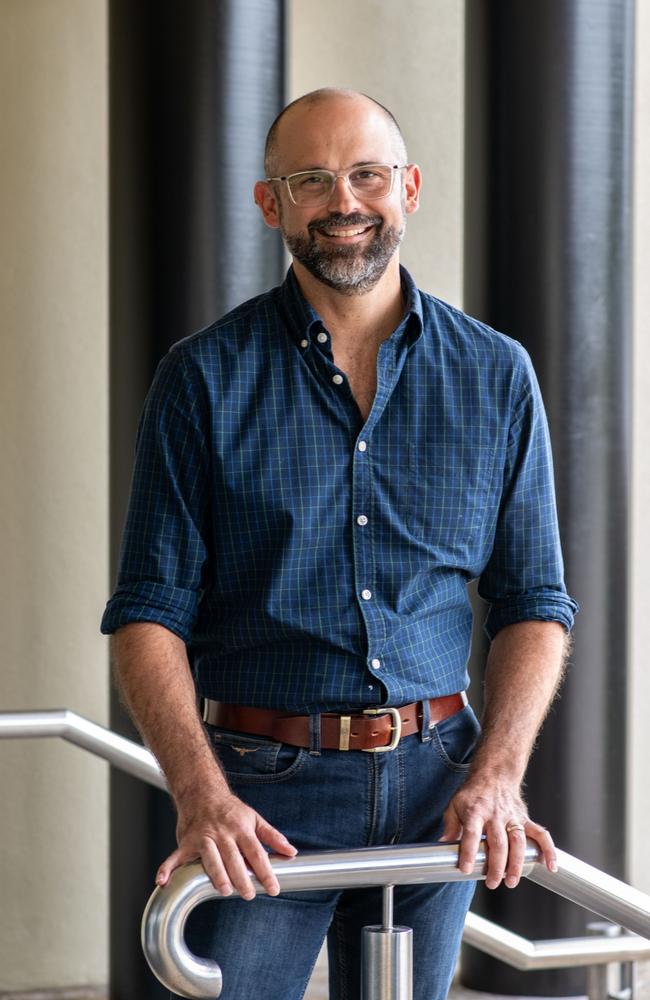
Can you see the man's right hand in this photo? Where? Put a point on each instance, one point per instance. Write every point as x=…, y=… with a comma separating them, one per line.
x=226, y=836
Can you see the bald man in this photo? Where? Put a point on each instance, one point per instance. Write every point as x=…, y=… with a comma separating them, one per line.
x=319, y=475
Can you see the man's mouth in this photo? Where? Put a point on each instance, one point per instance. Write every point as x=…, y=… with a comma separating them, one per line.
x=340, y=229
x=345, y=232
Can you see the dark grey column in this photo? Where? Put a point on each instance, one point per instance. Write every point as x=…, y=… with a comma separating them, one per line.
x=549, y=103
x=194, y=87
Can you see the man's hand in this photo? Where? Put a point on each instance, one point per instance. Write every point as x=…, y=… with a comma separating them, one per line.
x=225, y=837
x=496, y=810
x=214, y=826
x=524, y=668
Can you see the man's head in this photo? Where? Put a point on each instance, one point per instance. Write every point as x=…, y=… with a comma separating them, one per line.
x=346, y=235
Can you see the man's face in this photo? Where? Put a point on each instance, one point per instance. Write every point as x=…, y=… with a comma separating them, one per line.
x=349, y=242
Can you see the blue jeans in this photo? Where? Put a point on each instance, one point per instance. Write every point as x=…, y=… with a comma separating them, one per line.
x=267, y=947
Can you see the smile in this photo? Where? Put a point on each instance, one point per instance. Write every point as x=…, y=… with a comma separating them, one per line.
x=341, y=233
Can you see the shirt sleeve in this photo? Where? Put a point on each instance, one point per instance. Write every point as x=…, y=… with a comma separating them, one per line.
x=163, y=554
x=524, y=578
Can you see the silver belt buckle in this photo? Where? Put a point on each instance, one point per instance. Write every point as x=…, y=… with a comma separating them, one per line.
x=396, y=728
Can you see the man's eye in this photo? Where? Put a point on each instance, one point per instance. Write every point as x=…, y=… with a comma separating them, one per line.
x=312, y=180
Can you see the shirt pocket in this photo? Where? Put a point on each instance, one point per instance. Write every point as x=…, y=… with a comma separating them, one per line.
x=248, y=759
x=448, y=505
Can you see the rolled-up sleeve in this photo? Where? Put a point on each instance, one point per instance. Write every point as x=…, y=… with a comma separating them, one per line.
x=163, y=552
x=524, y=578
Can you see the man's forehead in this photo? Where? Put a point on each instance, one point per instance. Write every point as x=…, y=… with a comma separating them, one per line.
x=354, y=128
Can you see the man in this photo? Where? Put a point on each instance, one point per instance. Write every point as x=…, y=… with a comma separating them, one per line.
x=318, y=477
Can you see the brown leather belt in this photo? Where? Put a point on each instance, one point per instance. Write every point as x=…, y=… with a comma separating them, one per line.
x=374, y=729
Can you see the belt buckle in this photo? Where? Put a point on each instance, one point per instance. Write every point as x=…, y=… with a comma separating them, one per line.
x=396, y=729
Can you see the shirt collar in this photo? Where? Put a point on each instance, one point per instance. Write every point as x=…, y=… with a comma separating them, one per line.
x=304, y=323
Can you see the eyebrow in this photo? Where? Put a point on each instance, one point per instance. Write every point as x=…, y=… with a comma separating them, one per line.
x=359, y=163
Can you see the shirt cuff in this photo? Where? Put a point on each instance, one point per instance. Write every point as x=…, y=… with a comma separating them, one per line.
x=146, y=601
x=543, y=605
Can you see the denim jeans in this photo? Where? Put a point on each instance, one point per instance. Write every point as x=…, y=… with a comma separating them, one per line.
x=267, y=947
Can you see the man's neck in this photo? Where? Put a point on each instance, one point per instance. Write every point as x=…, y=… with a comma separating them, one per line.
x=355, y=321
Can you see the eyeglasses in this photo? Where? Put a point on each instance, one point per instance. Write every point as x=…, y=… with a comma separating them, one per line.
x=315, y=187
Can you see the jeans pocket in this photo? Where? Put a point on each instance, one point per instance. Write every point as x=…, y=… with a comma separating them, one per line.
x=249, y=759
x=454, y=740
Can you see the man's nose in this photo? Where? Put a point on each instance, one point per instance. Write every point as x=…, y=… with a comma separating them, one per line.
x=343, y=198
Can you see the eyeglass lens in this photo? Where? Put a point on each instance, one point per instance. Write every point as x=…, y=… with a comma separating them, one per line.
x=315, y=187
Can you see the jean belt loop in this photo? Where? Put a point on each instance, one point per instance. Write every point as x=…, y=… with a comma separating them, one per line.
x=314, y=734
x=425, y=731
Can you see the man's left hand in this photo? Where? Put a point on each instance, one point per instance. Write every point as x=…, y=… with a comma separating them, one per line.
x=495, y=809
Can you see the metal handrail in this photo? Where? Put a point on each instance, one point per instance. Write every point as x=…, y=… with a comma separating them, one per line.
x=184, y=973
x=170, y=906
x=559, y=953
x=117, y=750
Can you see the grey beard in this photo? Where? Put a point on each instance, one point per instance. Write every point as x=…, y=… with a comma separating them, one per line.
x=350, y=270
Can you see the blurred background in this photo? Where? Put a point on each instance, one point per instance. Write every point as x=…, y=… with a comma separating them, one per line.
x=130, y=137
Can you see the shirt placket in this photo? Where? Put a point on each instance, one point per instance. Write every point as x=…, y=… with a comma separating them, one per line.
x=367, y=449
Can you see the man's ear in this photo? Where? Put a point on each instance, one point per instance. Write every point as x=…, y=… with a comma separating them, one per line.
x=267, y=202
x=412, y=187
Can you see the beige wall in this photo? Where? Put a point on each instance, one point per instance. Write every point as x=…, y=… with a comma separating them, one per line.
x=639, y=784
x=410, y=58
x=53, y=490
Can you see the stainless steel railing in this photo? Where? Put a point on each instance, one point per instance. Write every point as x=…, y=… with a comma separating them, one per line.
x=116, y=749
x=169, y=907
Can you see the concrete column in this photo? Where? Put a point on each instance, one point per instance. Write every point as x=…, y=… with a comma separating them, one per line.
x=551, y=88
x=639, y=680
x=54, y=484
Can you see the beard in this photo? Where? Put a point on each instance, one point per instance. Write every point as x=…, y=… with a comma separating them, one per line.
x=351, y=270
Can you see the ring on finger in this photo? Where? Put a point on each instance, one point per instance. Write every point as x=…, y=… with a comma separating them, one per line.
x=511, y=827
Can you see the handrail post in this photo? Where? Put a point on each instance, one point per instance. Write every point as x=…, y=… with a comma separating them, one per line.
x=387, y=957
x=613, y=981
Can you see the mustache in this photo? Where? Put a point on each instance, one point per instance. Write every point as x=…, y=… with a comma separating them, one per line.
x=335, y=219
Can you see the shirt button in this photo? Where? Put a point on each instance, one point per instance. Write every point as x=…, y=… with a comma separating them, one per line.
x=375, y=664
x=304, y=343
x=322, y=338
x=362, y=446
x=362, y=520
x=366, y=594
x=337, y=379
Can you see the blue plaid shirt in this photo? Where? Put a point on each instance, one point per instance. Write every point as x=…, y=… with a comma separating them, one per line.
x=312, y=561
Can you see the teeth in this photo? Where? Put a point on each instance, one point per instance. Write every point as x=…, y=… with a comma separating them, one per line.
x=344, y=232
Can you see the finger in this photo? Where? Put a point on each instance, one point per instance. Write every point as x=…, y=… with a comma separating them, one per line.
x=215, y=868
x=452, y=828
x=175, y=860
x=469, y=844
x=274, y=839
x=258, y=861
x=544, y=840
x=236, y=868
x=516, y=853
x=497, y=845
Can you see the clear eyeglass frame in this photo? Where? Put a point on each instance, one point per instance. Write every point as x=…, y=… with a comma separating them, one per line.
x=333, y=176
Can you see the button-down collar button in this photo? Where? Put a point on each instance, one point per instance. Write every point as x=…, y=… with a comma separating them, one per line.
x=337, y=379
x=375, y=664
x=304, y=343
x=366, y=594
x=362, y=446
x=322, y=337
x=362, y=520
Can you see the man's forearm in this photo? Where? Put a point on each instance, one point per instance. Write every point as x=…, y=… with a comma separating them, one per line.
x=525, y=667
x=524, y=670
x=154, y=676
